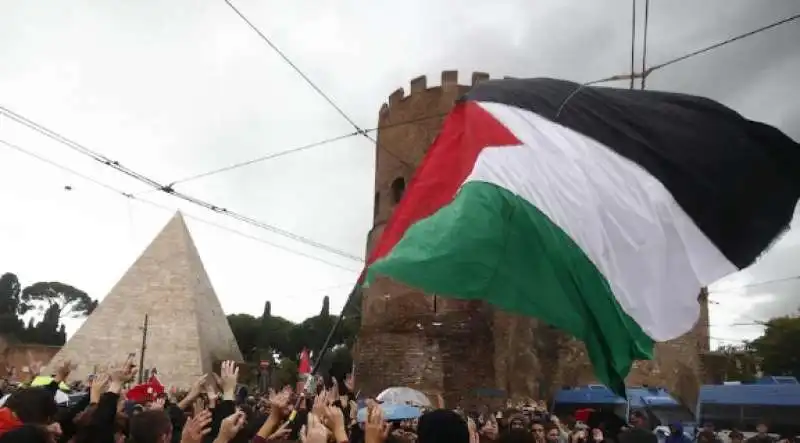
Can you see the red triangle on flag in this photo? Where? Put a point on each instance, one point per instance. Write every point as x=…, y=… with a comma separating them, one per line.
x=304, y=367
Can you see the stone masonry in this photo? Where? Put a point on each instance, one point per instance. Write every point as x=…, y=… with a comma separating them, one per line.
x=452, y=347
x=187, y=329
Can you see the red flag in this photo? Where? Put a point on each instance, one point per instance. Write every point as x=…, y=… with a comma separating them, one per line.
x=145, y=392
x=305, y=366
x=154, y=381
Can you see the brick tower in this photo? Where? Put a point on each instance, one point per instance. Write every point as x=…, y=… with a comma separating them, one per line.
x=452, y=347
x=438, y=345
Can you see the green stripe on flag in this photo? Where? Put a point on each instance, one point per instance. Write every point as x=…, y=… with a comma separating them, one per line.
x=489, y=244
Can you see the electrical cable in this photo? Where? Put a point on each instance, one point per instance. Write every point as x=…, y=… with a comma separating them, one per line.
x=297, y=149
x=731, y=325
x=167, y=189
x=65, y=169
x=308, y=80
x=295, y=67
x=718, y=45
x=761, y=283
x=263, y=158
x=130, y=196
x=632, y=76
x=643, y=75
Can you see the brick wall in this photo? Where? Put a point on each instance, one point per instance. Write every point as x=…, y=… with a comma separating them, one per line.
x=16, y=356
x=451, y=347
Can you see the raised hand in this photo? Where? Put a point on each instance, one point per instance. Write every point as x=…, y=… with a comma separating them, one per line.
x=350, y=382
x=230, y=426
x=333, y=392
x=314, y=431
x=334, y=418
x=229, y=376
x=279, y=402
x=158, y=404
x=198, y=406
x=63, y=370
x=320, y=402
x=99, y=385
x=121, y=374
x=281, y=433
x=196, y=428
x=376, y=429
x=35, y=368
x=197, y=386
x=473, y=431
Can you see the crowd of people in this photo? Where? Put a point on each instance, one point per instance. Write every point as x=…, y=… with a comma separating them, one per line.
x=214, y=410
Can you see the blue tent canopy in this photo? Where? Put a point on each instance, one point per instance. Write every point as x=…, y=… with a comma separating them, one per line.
x=755, y=394
x=588, y=395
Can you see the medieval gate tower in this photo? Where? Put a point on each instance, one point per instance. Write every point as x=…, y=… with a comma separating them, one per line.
x=459, y=348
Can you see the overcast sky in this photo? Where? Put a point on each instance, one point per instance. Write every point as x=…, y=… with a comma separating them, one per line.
x=180, y=87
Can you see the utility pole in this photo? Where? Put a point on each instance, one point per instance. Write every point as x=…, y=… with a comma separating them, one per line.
x=141, y=352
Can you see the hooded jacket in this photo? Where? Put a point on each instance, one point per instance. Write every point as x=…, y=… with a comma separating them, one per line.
x=676, y=434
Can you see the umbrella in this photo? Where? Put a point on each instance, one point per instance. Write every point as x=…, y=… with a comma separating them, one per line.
x=404, y=396
x=392, y=412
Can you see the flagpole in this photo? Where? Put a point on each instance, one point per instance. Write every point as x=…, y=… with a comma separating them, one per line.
x=326, y=344
x=144, y=347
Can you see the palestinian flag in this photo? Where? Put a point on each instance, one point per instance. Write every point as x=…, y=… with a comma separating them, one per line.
x=600, y=211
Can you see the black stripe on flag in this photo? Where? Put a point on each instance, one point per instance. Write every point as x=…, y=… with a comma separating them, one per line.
x=738, y=180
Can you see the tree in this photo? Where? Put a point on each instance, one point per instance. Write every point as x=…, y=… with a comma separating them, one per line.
x=246, y=331
x=326, y=307
x=11, y=306
x=269, y=336
x=734, y=363
x=275, y=335
x=47, y=330
x=338, y=362
x=285, y=373
x=267, y=310
x=65, y=301
x=777, y=347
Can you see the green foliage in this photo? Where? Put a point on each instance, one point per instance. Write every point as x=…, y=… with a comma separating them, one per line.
x=245, y=328
x=66, y=301
x=285, y=373
x=11, y=306
x=777, y=348
x=337, y=362
x=326, y=307
x=281, y=341
x=267, y=310
x=52, y=300
x=275, y=336
x=738, y=363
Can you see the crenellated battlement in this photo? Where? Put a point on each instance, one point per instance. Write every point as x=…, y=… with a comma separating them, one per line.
x=448, y=83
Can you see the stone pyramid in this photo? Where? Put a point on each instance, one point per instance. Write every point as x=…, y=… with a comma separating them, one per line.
x=187, y=330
